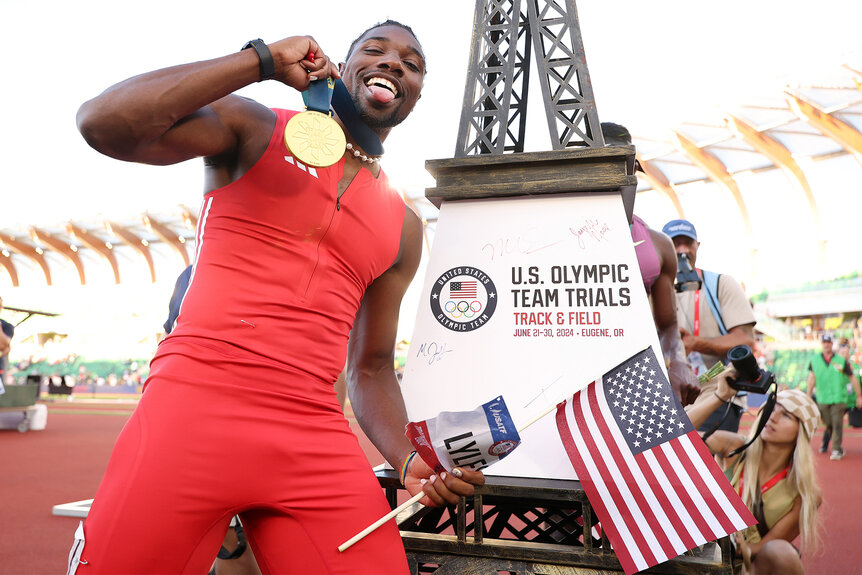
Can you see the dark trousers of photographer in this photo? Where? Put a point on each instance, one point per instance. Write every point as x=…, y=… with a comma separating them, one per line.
x=832, y=415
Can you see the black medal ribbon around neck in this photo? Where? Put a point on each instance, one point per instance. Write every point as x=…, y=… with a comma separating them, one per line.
x=364, y=136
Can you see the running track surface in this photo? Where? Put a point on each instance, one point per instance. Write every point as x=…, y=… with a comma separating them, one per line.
x=65, y=463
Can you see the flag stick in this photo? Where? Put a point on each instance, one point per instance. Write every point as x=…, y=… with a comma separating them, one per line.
x=359, y=536
x=537, y=418
x=381, y=521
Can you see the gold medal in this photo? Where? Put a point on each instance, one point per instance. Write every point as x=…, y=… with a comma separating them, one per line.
x=315, y=138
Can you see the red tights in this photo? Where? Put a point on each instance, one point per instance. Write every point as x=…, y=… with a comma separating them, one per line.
x=274, y=448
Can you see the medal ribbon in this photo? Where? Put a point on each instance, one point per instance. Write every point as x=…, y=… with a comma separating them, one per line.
x=364, y=136
x=318, y=96
x=697, y=307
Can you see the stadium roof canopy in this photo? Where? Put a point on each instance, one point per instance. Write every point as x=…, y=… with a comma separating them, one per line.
x=817, y=122
x=127, y=249
x=775, y=182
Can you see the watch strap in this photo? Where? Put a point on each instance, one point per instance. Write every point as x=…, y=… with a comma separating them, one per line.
x=267, y=64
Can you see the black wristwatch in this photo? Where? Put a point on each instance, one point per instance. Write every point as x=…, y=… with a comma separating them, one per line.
x=267, y=64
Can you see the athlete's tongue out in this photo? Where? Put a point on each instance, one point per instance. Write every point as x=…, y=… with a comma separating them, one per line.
x=381, y=94
x=381, y=89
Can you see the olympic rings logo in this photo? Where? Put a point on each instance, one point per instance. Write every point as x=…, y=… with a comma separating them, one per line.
x=463, y=299
x=462, y=308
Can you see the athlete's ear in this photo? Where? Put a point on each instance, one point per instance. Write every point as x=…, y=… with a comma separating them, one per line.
x=341, y=67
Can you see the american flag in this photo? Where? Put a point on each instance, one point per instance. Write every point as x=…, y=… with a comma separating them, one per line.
x=462, y=289
x=656, y=489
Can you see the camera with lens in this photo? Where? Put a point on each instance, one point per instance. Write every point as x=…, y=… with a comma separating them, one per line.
x=686, y=276
x=750, y=377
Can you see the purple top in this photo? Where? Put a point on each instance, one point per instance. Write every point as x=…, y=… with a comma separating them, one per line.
x=647, y=257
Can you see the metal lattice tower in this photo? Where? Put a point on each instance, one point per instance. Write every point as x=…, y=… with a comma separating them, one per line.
x=494, y=113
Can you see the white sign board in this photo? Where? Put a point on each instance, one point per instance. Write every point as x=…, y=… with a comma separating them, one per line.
x=528, y=298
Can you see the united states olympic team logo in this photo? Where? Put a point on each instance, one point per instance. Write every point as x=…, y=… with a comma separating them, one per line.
x=501, y=448
x=463, y=299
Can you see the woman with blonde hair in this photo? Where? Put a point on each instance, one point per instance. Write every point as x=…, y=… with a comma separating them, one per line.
x=774, y=476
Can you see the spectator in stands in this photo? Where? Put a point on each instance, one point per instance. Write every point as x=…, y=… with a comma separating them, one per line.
x=775, y=476
x=831, y=375
x=712, y=319
x=7, y=330
x=83, y=375
x=657, y=263
x=856, y=353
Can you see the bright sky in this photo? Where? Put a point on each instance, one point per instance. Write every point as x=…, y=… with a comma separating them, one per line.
x=652, y=64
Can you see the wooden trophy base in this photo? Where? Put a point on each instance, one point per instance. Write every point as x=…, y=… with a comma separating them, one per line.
x=524, y=526
x=574, y=170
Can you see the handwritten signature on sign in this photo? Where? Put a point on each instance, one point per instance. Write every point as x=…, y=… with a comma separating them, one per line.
x=433, y=351
x=534, y=240
x=591, y=229
x=527, y=242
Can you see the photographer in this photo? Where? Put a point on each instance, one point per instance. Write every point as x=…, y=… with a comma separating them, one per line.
x=774, y=476
x=713, y=315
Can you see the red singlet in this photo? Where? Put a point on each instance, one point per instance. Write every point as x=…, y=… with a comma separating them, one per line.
x=281, y=264
x=239, y=414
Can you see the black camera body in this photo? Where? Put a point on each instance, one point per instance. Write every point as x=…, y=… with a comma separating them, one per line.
x=686, y=276
x=749, y=375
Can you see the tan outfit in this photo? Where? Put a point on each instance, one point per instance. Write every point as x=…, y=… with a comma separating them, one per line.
x=777, y=499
